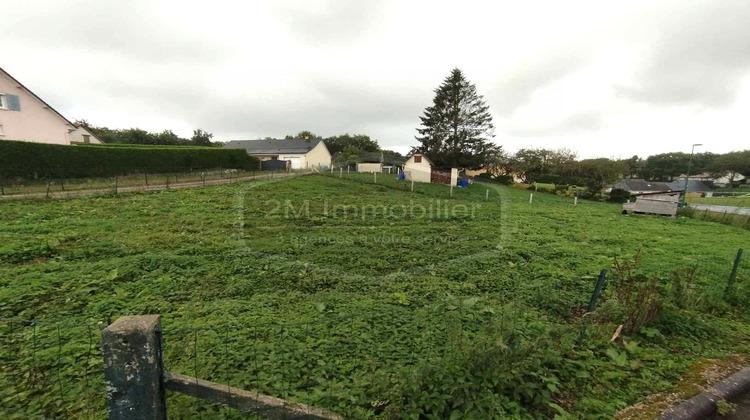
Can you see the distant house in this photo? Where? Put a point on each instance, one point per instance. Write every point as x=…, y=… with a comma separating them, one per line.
x=25, y=116
x=300, y=153
x=718, y=181
x=83, y=136
x=694, y=186
x=419, y=168
x=640, y=186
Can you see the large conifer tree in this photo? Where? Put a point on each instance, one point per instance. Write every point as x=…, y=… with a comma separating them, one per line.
x=457, y=129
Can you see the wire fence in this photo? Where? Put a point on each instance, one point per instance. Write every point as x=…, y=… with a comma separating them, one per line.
x=354, y=363
x=51, y=370
x=139, y=179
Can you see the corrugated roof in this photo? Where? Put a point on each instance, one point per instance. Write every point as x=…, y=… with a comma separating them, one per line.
x=274, y=146
x=641, y=185
x=694, y=185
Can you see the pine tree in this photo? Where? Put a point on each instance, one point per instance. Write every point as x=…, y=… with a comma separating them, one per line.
x=457, y=129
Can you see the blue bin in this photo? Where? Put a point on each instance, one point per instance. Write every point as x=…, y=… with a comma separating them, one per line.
x=463, y=183
x=401, y=176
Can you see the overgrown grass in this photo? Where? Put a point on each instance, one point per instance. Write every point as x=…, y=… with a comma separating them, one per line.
x=448, y=306
x=743, y=201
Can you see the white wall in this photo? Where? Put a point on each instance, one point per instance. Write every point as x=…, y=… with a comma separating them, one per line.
x=369, y=167
x=76, y=136
x=418, y=172
x=318, y=156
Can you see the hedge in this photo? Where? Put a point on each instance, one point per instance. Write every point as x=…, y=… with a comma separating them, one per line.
x=20, y=159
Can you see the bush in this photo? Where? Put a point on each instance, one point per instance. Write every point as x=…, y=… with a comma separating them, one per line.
x=618, y=195
x=38, y=160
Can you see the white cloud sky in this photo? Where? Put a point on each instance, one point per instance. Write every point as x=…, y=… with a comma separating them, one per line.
x=602, y=78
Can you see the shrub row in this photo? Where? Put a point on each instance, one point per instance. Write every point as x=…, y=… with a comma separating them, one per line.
x=37, y=160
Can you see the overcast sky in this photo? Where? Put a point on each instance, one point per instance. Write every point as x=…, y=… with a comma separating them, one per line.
x=604, y=78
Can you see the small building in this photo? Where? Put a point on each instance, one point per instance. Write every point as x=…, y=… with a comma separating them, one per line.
x=641, y=186
x=664, y=203
x=300, y=153
x=83, y=136
x=695, y=188
x=25, y=116
x=419, y=168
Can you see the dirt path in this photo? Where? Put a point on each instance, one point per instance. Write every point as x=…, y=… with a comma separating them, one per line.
x=151, y=187
x=721, y=209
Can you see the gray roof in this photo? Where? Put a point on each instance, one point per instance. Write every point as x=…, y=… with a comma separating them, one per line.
x=694, y=185
x=641, y=185
x=274, y=146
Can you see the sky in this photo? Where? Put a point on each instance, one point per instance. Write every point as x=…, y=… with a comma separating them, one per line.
x=603, y=78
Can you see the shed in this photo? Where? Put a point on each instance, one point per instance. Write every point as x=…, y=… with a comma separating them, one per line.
x=419, y=168
x=654, y=203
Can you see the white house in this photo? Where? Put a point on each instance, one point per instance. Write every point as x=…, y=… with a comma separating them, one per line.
x=83, y=136
x=419, y=168
x=25, y=116
x=300, y=153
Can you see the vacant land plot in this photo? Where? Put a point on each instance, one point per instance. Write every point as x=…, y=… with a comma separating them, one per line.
x=365, y=299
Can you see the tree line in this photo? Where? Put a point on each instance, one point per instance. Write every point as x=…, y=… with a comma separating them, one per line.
x=457, y=131
x=561, y=166
x=140, y=136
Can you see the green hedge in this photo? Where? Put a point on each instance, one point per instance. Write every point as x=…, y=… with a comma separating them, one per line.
x=20, y=159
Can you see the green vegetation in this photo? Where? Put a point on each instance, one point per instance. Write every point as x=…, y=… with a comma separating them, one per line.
x=37, y=160
x=469, y=313
x=722, y=201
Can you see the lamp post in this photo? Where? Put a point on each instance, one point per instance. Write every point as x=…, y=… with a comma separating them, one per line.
x=687, y=176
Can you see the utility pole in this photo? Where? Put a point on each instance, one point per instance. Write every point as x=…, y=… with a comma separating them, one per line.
x=687, y=176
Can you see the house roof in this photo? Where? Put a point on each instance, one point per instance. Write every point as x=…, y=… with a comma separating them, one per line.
x=274, y=146
x=35, y=95
x=641, y=185
x=694, y=185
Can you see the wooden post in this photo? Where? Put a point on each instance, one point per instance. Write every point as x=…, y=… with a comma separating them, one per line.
x=531, y=197
x=451, y=190
x=133, y=368
x=341, y=172
x=733, y=274
x=412, y=186
x=203, y=178
x=487, y=195
x=146, y=179
x=48, y=185
x=347, y=169
x=115, y=184
x=375, y=174
x=575, y=201
x=62, y=185
x=167, y=181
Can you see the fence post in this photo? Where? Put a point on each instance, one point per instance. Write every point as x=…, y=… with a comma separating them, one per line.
x=146, y=174
x=531, y=197
x=133, y=368
x=487, y=195
x=375, y=174
x=733, y=274
x=48, y=185
x=115, y=184
x=341, y=172
x=167, y=181
x=412, y=186
x=592, y=304
x=451, y=190
x=575, y=201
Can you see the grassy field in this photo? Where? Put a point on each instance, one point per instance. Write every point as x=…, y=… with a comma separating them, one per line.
x=722, y=201
x=365, y=299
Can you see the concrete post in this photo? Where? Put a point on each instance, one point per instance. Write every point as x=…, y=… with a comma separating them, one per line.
x=133, y=368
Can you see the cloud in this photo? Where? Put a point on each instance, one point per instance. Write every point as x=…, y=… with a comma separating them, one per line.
x=700, y=56
x=582, y=122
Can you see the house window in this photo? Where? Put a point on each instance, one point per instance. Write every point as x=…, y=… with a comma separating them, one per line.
x=86, y=138
x=417, y=159
x=11, y=102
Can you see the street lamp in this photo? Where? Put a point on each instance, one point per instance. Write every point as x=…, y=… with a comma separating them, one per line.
x=687, y=176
